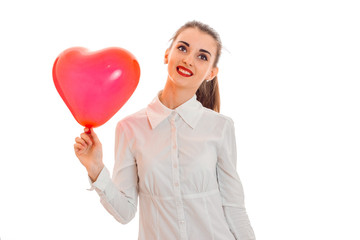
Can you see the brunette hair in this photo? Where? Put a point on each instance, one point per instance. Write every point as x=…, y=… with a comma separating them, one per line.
x=208, y=92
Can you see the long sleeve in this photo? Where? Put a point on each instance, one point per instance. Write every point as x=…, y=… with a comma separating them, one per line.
x=119, y=195
x=231, y=188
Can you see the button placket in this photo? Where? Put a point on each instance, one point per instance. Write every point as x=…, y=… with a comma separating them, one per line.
x=176, y=177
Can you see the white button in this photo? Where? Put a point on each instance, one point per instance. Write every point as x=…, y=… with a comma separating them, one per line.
x=176, y=184
x=175, y=166
x=182, y=221
x=178, y=203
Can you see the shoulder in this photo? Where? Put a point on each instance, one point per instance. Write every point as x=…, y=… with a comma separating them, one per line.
x=217, y=118
x=216, y=124
x=137, y=118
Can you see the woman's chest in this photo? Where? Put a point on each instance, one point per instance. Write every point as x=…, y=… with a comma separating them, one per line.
x=186, y=157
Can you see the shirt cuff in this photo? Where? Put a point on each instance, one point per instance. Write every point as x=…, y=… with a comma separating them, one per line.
x=102, y=180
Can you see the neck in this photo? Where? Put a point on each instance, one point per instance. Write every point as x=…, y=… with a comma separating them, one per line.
x=173, y=96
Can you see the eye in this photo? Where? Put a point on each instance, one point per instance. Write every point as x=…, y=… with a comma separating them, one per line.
x=203, y=57
x=182, y=48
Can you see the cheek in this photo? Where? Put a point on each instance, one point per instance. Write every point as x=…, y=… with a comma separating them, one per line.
x=204, y=68
x=174, y=54
x=172, y=62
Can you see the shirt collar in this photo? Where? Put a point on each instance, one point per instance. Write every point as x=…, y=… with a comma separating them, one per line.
x=190, y=111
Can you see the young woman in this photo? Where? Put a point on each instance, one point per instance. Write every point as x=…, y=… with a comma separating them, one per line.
x=178, y=155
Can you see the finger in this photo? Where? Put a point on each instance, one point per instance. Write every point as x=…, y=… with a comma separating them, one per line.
x=87, y=130
x=94, y=136
x=81, y=141
x=78, y=147
x=86, y=138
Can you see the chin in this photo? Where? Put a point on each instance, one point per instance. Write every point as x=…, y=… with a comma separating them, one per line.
x=178, y=81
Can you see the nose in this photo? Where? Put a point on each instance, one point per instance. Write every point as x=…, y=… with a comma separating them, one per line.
x=188, y=59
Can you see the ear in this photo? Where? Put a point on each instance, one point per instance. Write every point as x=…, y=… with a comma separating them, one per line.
x=212, y=74
x=166, y=57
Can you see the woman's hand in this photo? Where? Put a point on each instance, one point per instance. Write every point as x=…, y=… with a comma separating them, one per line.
x=88, y=150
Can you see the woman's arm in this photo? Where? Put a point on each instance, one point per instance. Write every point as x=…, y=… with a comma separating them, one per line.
x=119, y=195
x=231, y=188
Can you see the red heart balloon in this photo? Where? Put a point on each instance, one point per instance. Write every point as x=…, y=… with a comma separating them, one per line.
x=95, y=85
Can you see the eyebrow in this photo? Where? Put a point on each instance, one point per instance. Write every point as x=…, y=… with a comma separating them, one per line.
x=201, y=50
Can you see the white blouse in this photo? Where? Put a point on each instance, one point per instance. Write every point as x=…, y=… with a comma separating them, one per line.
x=182, y=165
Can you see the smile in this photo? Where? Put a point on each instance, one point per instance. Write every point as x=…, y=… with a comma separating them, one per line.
x=184, y=71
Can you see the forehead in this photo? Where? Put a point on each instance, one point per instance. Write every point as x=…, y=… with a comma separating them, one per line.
x=198, y=39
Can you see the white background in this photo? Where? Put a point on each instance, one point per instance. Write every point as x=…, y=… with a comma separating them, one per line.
x=289, y=78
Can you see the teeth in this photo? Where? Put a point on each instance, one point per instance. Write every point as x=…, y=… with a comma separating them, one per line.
x=185, y=72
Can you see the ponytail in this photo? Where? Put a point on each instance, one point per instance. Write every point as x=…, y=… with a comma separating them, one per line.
x=209, y=95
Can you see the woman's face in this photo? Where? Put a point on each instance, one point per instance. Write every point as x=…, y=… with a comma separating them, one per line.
x=191, y=58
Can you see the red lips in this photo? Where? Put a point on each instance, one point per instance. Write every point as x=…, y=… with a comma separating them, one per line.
x=184, y=71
